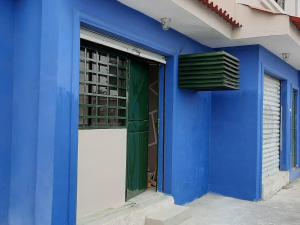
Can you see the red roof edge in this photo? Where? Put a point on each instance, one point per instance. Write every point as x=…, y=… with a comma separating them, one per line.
x=295, y=21
x=222, y=13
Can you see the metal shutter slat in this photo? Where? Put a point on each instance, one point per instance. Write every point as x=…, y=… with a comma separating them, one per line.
x=271, y=128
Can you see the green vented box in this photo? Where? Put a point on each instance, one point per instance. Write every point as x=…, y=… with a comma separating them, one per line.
x=209, y=72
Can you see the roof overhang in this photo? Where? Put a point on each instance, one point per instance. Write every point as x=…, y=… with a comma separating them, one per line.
x=276, y=32
x=214, y=7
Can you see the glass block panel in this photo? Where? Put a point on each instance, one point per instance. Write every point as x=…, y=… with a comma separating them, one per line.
x=103, y=80
x=113, y=122
x=92, y=111
x=103, y=69
x=92, y=66
x=94, y=122
x=92, y=88
x=83, y=99
x=122, y=112
x=122, y=122
x=92, y=100
x=122, y=62
x=102, y=122
x=102, y=111
x=113, y=59
x=103, y=94
x=122, y=92
x=92, y=54
x=103, y=90
x=122, y=103
x=82, y=76
x=102, y=101
x=113, y=81
x=113, y=91
x=103, y=58
x=83, y=122
x=113, y=70
x=83, y=111
x=82, y=88
x=82, y=66
x=113, y=112
x=112, y=101
x=92, y=77
x=122, y=73
x=121, y=83
x=82, y=52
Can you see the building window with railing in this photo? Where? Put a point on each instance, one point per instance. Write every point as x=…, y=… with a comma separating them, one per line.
x=281, y=3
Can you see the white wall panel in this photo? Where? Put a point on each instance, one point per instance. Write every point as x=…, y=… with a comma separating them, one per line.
x=101, y=170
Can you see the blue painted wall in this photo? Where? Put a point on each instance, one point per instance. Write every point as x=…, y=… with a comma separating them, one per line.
x=26, y=66
x=6, y=61
x=212, y=140
x=236, y=134
x=187, y=112
x=233, y=156
x=289, y=76
x=45, y=106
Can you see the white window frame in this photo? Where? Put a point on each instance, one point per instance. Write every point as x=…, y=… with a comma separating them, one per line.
x=112, y=43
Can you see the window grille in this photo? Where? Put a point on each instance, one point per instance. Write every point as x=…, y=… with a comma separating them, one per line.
x=103, y=87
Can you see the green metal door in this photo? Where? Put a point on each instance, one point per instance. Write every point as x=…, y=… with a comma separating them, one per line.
x=294, y=129
x=138, y=128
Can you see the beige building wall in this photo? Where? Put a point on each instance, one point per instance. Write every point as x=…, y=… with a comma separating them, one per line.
x=291, y=6
x=229, y=5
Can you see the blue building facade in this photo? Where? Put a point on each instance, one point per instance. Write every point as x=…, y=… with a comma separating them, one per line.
x=212, y=140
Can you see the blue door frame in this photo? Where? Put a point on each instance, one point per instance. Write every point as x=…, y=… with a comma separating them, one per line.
x=163, y=159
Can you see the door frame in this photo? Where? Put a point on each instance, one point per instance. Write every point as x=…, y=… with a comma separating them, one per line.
x=161, y=131
x=166, y=123
x=75, y=115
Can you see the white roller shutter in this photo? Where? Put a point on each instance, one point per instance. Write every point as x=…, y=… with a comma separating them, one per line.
x=271, y=135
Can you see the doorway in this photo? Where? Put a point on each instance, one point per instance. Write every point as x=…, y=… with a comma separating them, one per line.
x=294, y=129
x=118, y=123
x=142, y=144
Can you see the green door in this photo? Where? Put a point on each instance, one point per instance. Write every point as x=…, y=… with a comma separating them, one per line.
x=294, y=129
x=138, y=128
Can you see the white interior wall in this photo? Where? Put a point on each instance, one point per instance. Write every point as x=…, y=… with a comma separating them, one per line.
x=101, y=170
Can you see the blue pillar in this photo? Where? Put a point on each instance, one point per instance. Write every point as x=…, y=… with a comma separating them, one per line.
x=6, y=69
x=26, y=64
x=40, y=170
x=54, y=113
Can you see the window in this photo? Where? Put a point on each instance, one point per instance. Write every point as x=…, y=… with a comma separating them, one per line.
x=103, y=87
x=281, y=3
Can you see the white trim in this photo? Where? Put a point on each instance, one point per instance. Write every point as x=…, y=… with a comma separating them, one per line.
x=112, y=43
x=272, y=5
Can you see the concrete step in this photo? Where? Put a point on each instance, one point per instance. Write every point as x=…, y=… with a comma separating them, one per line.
x=173, y=215
x=190, y=221
x=132, y=213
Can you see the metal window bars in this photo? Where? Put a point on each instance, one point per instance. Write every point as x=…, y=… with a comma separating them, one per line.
x=103, y=88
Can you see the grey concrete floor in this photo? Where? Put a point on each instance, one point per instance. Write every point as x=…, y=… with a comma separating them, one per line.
x=282, y=209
